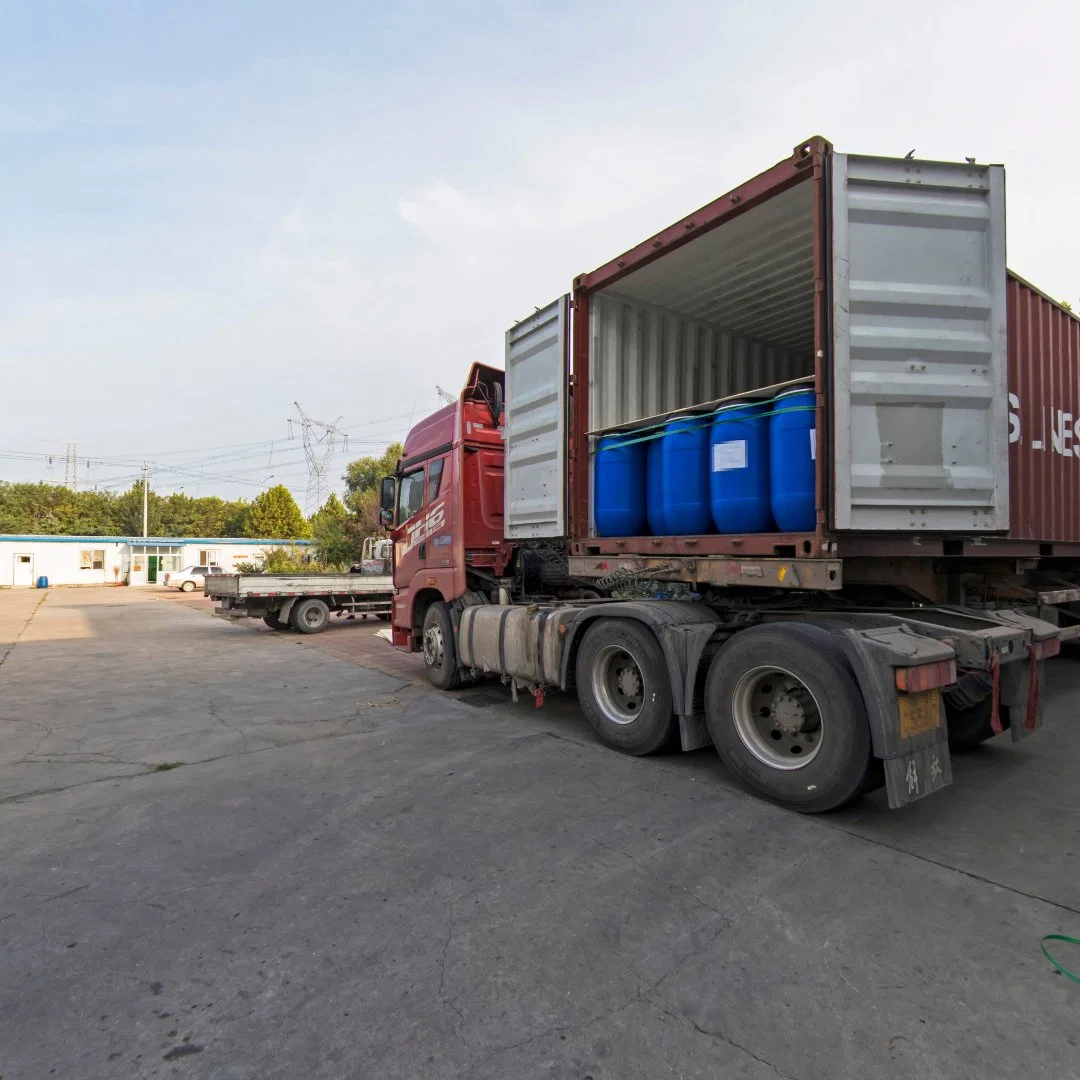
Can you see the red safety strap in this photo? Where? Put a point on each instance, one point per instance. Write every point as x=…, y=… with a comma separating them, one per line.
x=995, y=699
x=1033, y=690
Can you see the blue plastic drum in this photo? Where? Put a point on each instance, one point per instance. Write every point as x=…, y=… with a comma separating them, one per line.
x=654, y=495
x=680, y=472
x=619, y=486
x=792, y=455
x=739, y=469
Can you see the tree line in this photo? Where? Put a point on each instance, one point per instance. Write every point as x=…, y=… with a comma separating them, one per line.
x=338, y=528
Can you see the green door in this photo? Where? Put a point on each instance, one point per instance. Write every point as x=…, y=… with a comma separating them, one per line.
x=152, y=569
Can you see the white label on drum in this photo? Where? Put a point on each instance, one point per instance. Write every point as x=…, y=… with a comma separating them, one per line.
x=729, y=455
x=813, y=444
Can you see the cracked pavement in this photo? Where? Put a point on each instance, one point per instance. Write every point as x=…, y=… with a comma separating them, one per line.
x=347, y=875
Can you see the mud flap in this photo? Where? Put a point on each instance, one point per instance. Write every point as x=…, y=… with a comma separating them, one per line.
x=919, y=772
x=913, y=744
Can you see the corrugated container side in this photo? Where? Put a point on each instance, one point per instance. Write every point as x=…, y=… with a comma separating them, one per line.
x=646, y=361
x=1044, y=417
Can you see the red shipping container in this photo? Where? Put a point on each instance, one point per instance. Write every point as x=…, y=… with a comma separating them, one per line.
x=1044, y=418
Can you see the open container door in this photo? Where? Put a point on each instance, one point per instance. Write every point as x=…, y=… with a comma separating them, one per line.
x=920, y=396
x=534, y=437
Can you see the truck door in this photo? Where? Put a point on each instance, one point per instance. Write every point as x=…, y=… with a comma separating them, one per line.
x=438, y=543
x=424, y=536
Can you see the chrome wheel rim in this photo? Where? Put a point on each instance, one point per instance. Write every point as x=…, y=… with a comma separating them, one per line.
x=433, y=646
x=777, y=718
x=618, y=685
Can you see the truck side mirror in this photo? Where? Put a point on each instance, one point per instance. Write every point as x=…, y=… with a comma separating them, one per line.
x=387, y=497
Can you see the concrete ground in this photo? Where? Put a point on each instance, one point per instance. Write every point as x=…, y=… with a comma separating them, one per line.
x=229, y=853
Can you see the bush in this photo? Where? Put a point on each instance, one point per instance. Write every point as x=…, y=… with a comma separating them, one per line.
x=290, y=560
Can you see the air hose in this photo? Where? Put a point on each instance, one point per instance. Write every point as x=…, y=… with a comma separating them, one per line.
x=1061, y=967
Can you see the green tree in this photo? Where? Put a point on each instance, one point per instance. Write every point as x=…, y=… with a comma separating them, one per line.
x=332, y=510
x=234, y=518
x=362, y=488
x=274, y=515
x=334, y=545
x=129, y=512
x=53, y=510
x=364, y=474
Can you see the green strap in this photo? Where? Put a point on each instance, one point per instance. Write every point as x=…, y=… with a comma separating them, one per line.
x=1061, y=967
x=657, y=431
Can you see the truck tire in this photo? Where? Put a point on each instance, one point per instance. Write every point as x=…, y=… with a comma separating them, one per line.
x=440, y=652
x=969, y=728
x=310, y=616
x=624, y=688
x=273, y=621
x=787, y=718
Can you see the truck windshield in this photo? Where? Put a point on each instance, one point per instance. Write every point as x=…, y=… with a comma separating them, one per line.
x=410, y=494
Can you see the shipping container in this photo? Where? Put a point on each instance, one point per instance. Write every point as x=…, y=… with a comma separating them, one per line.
x=1044, y=421
x=879, y=282
x=834, y=349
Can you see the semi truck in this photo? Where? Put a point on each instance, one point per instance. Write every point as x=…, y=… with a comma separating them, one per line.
x=908, y=615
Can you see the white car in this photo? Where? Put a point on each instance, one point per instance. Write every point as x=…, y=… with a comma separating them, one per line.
x=189, y=579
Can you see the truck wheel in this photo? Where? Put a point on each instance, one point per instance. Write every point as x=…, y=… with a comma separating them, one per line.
x=969, y=728
x=310, y=616
x=188, y=586
x=273, y=621
x=787, y=717
x=624, y=688
x=440, y=653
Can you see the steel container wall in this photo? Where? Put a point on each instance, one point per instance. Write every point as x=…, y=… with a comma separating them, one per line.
x=646, y=361
x=1044, y=417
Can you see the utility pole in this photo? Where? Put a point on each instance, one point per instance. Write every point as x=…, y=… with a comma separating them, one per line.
x=145, y=499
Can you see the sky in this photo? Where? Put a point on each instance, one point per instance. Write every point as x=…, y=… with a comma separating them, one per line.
x=213, y=210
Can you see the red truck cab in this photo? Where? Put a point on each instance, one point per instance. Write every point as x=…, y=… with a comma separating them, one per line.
x=445, y=504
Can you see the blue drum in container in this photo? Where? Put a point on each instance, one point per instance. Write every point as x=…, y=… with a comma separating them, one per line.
x=619, y=486
x=739, y=469
x=792, y=453
x=681, y=471
x=42, y=582
x=654, y=495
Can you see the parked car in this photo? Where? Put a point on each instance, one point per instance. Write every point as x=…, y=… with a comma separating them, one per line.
x=189, y=579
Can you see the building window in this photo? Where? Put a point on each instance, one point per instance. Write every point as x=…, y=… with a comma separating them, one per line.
x=92, y=560
x=434, y=479
x=209, y=557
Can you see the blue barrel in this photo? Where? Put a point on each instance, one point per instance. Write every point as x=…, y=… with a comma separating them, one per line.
x=619, y=486
x=654, y=494
x=792, y=452
x=739, y=469
x=43, y=582
x=682, y=463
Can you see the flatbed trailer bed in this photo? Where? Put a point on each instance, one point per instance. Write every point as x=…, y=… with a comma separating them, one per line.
x=300, y=602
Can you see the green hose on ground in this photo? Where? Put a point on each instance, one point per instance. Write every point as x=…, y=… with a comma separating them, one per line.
x=1061, y=967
